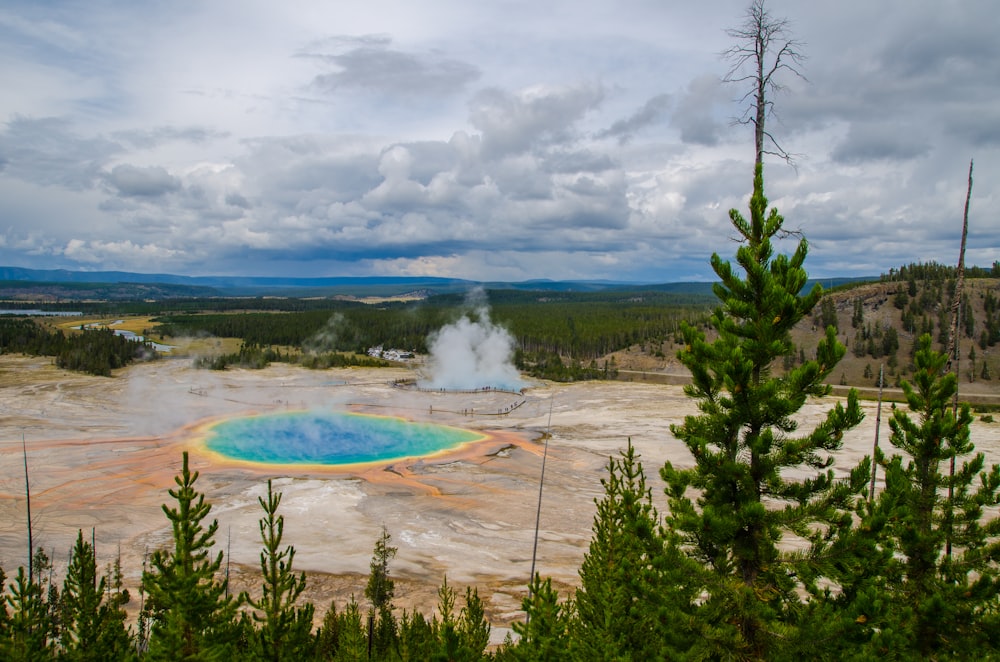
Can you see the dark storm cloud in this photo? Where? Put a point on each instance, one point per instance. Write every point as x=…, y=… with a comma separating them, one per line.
x=933, y=68
x=237, y=200
x=286, y=170
x=369, y=63
x=875, y=142
x=979, y=127
x=48, y=152
x=698, y=111
x=651, y=112
x=143, y=182
x=515, y=123
x=947, y=44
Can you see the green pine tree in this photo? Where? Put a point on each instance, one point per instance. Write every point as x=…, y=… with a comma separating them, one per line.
x=352, y=641
x=29, y=625
x=42, y=572
x=858, y=316
x=748, y=458
x=192, y=617
x=544, y=636
x=462, y=637
x=473, y=627
x=93, y=620
x=286, y=629
x=417, y=642
x=629, y=602
x=380, y=591
x=328, y=637
x=946, y=547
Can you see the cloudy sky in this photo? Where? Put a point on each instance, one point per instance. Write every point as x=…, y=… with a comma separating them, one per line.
x=494, y=140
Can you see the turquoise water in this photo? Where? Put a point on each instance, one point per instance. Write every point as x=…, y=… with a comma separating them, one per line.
x=329, y=438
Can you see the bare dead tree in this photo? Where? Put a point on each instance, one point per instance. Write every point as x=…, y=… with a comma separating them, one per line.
x=953, y=348
x=764, y=49
x=878, y=424
x=954, y=351
x=27, y=499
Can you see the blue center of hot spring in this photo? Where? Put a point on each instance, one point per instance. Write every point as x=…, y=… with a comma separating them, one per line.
x=330, y=438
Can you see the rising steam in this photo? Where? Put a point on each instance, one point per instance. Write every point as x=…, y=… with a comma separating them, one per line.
x=472, y=353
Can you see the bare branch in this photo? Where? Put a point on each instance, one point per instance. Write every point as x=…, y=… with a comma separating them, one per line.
x=764, y=49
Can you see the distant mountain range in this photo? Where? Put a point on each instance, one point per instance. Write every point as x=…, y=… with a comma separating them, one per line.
x=16, y=282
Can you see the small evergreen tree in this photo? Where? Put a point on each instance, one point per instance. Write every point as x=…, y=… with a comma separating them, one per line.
x=380, y=588
x=286, y=628
x=380, y=591
x=328, y=637
x=417, y=642
x=947, y=551
x=461, y=638
x=919, y=577
x=473, y=627
x=41, y=574
x=191, y=616
x=93, y=620
x=629, y=602
x=4, y=618
x=544, y=635
x=29, y=624
x=353, y=643
x=828, y=313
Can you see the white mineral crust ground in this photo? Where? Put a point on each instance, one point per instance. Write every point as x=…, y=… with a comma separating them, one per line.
x=102, y=454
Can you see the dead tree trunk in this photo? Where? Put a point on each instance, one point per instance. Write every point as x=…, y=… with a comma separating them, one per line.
x=954, y=353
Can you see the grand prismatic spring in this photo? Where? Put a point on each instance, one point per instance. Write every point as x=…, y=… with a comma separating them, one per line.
x=330, y=438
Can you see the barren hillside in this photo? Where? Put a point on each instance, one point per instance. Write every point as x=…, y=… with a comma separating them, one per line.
x=867, y=317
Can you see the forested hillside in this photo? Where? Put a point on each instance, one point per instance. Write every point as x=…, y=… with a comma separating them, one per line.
x=94, y=351
x=557, y=335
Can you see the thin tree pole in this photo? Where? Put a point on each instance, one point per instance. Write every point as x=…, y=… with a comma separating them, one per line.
x=954, y=353
x=27, y=498
x=538, y=512
x=143, y=623
x=878, y=423
x=229, y=547
x=93, y=551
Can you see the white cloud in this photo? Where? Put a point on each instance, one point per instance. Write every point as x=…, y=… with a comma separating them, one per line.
x=116, y=254
x=514, y=141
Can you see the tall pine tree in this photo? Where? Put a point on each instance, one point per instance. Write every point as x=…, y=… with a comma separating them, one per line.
x=192, y=616
x=286, y=628
x=756, y=480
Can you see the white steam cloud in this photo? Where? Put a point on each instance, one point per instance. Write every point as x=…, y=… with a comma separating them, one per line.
x=472, y=354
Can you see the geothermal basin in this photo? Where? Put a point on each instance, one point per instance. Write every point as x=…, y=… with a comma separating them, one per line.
x=330, y=438
x=102, y=454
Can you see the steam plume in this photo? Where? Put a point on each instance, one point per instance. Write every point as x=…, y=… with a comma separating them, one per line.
x=472, y=353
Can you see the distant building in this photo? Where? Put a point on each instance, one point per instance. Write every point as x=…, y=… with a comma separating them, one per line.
x=391, y=354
